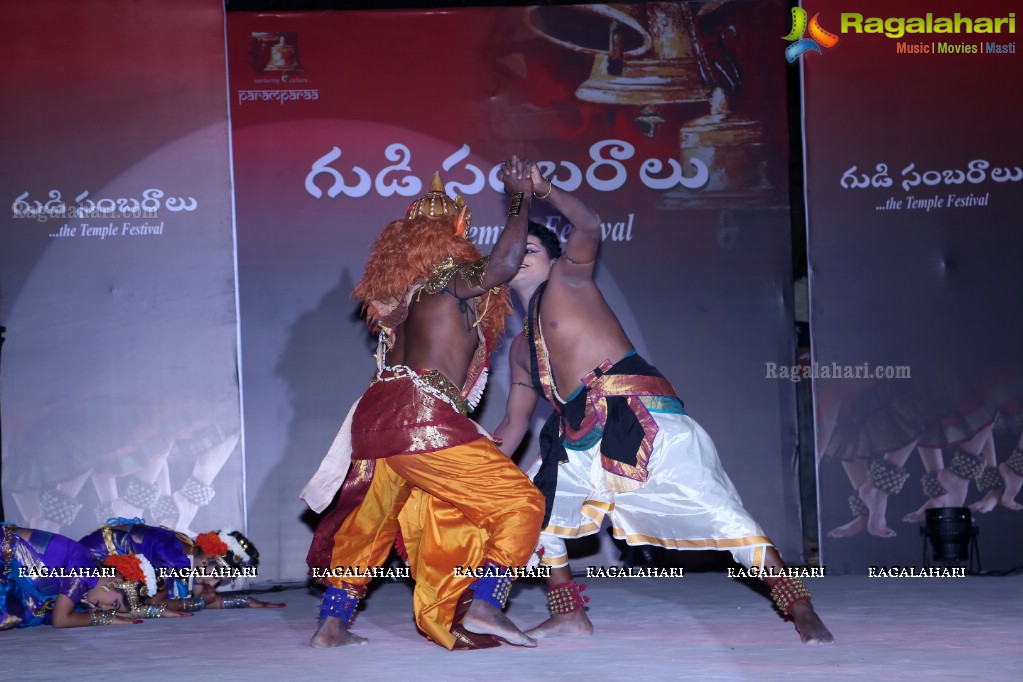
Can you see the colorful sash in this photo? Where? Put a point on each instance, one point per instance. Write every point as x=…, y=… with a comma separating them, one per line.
x=611, y=406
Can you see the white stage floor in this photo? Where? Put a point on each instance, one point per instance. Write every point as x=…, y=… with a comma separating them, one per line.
x=701, y=627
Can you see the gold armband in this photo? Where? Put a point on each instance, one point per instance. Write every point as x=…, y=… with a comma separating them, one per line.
x=515, y=205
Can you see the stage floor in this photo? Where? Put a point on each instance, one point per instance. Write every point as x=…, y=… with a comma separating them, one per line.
x=703, y=627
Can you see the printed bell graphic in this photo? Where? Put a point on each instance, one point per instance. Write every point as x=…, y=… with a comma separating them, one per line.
x=642, y=55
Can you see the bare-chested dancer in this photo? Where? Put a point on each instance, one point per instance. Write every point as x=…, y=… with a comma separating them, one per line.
x=439, y=307
x=619, y=443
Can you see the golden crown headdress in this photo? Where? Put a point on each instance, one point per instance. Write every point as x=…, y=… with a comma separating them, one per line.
x=437, y=204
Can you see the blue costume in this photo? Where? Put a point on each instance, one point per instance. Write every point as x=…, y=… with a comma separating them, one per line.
x=27, y=593
x=167, y=550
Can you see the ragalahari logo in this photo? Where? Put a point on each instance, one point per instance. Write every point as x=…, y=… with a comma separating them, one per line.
x=818, y=36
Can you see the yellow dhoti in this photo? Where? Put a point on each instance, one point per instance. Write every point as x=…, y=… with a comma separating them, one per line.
x=473, y=482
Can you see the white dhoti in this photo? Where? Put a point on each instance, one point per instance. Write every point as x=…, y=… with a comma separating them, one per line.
x=687, y=502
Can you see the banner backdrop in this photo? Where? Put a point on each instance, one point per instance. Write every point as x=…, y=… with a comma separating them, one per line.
x=119, y=378
x=913, y=175
x=668, y=118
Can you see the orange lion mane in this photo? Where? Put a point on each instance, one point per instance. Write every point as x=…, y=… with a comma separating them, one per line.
x=405, y=253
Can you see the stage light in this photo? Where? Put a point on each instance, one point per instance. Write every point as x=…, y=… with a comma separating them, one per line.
x=952, y=535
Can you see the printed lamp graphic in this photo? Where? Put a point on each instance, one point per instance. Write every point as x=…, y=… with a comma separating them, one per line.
x=818, y=36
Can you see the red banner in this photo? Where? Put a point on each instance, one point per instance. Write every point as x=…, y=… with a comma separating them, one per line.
x=666, y=117
x=913, y=172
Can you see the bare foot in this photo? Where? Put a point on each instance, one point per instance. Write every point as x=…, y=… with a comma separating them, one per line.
x=854, y=527
x=486, y=619
x=575, y=624
x=919, y=514
x=809, y=625
x=955, y=495
x=932, y=503
x=956, y=486
x=1013, y=483
x=332, y=633
x=877, y=502
x=186, y=512
x=986, y=503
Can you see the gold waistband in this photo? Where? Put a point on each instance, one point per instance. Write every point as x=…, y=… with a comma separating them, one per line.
x=440, y=383
x=7, y=551
x=432, y=381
